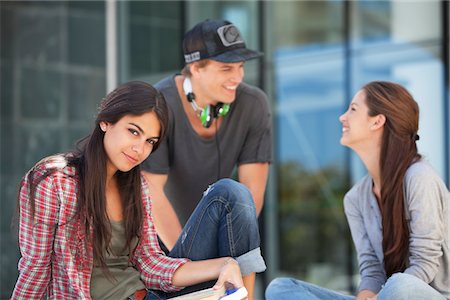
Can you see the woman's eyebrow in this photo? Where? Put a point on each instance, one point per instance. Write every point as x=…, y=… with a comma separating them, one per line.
x=138, y=127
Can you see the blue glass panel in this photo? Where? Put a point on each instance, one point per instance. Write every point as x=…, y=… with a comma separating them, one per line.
x=311, y=163
x=418, y=67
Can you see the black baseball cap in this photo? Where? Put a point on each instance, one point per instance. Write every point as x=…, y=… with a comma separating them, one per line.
x=218, y=40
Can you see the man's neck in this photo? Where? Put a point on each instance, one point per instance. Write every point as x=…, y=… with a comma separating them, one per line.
x=194, y=120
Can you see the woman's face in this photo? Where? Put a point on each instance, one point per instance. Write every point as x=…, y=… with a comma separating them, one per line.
x=357, y=125
x=129, y=141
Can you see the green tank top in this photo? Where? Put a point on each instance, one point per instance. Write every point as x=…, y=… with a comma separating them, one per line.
x=126, y=279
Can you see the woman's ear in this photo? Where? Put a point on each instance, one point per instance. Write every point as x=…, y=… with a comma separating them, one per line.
x=103, y=126
x=379, y=121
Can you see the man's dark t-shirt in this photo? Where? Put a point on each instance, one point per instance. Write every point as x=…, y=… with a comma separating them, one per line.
x=192, y=162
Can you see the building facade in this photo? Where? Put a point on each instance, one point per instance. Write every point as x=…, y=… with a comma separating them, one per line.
x=59, y=58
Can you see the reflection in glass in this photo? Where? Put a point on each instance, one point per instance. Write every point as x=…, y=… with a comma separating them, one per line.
x=311, y=172
x=52, y=71
x=420, y=70
x=395, y=22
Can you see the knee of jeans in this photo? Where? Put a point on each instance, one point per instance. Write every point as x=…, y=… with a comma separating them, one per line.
x=276, y=286
x=234, y=192
x=403, y=286
x=401, y=279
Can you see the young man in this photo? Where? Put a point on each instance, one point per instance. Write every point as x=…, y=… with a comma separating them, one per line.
x=216, y=122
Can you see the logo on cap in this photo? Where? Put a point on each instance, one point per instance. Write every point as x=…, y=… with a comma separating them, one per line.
x=192, y=57
x=229, y=35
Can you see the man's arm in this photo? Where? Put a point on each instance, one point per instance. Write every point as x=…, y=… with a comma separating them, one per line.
x=166, y=221
x=254, y=177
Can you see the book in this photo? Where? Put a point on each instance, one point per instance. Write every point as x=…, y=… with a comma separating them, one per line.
x=212, y=294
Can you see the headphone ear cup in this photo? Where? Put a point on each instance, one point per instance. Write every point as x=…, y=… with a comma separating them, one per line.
x=206, y=116
x=223, y=111
x=209, y=113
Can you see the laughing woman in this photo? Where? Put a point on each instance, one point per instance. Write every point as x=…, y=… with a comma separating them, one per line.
x=398, y=214
x=85, y=221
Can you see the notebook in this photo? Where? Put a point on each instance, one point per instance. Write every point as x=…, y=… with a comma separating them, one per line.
x=212, y=294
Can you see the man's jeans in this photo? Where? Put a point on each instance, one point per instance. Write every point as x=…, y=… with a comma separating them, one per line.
x=224, y=223
x=399, y=286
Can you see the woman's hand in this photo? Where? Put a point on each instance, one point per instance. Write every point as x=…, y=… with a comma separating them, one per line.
x=365, y=295
x=230, y=275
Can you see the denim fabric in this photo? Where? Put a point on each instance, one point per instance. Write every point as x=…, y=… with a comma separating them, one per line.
x=151, y=295
x=399, y=286
x=224, y=223
x=290, y=289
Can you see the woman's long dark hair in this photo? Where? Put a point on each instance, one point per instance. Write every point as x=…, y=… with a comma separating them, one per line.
x=398, y=152
x=132, y=98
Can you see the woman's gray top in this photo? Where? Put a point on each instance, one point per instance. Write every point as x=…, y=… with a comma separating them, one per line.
x=427, y=209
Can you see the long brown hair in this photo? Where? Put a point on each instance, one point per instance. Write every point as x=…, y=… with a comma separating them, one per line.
x=132, y=98
x=398, y=152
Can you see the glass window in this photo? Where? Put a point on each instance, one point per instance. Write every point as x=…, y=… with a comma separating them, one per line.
x=395, y=22
x=306, y=42
x=404, y=46
x=420, y=70
x=150, y=37
x=308, y=23
x=311, y=169
x=52, y=79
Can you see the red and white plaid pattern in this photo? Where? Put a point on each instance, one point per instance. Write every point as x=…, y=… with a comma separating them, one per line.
x=56, y=261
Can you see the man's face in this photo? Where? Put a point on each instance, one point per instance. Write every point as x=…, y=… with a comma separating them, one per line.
x=218, y=81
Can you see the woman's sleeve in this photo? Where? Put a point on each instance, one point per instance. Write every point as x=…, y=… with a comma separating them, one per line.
x=427, y=200
x=155, y=267
x=36, y=235
x=370, y=269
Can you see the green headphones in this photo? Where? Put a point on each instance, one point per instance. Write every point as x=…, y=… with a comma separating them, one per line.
x=208, y=113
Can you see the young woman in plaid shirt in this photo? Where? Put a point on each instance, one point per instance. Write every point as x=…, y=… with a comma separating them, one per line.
x=85, y=223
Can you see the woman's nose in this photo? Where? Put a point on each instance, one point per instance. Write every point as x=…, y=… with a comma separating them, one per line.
x=138, y=148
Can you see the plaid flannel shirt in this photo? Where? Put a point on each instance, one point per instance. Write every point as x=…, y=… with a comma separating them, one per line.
x=56, y=261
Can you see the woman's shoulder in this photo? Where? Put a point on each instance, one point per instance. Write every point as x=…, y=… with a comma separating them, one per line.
x=57, y=165
x=421, y=171
x=354, y=198
x=360, y=187
x=145, y=189
x=144, y=183
x=422, y=176
x=420, y=168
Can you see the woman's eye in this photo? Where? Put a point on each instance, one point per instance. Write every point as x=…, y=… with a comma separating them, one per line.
x=133, y=132
x=151, y=142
